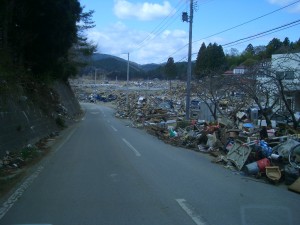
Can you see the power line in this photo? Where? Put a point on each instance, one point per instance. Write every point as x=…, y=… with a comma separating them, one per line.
x=162, y=24
x=239, y=25
x=261, y=34
x=167, y=24
x=249, y=21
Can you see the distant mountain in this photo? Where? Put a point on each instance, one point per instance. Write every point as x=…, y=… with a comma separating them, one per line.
x=98, y=56
x=151, y=66
x=110, y=62
x=114, y=66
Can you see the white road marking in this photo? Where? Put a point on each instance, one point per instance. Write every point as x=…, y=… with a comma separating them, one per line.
x=115, y=129
x=94, y=113
x=65, y=140
x=136, y=152
x=19, y=192
x=188, y=209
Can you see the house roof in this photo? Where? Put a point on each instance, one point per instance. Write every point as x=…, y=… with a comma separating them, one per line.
x=228, y=72
x=240, y=67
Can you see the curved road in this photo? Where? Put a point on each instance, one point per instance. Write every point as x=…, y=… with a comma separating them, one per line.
x=108, y=173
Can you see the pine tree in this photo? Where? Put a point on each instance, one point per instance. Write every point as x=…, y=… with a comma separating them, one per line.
x=170, y=69
x=40, y=33
x=201, y=61
x=211, y=59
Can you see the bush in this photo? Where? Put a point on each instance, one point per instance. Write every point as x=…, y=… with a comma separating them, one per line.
x=60, y=122
x=29, y=153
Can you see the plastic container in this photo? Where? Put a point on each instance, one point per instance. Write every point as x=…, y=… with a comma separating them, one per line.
x=252, y=168
x=262, y=164
x=273, y=173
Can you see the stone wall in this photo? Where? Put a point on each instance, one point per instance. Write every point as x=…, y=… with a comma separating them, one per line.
x=27, y=116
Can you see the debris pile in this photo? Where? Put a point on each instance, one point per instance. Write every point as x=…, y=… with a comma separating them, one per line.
x=251, y=150
x=235, y=141
x=12, y=161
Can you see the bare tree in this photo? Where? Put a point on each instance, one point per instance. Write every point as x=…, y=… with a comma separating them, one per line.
x=285, y=74
x=206, y=91
x=261, y=93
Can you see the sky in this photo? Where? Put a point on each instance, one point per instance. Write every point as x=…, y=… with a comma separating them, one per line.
x=151, y=31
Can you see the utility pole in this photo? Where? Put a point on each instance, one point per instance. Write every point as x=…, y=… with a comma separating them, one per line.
x=95, y=76
x=189, y=19
x=127, y=83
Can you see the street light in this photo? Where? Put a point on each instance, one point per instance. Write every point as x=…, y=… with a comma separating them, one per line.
x=127, y=83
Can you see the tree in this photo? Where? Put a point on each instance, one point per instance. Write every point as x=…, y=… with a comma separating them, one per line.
x=273, y=46
x=40, y=33
x=210, y=91
x=170, y=69
x=258, y=92
x=249, y=51
x=285, y=78
x=201, y=61
x=286, y=42
x=270, y=86
x=210, y=60
x=81, y=51
x=233, y=58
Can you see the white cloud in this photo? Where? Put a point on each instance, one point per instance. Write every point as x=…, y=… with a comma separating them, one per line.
x=294, y=8
x=118, y=39
x=280, y=2
x=142, y=11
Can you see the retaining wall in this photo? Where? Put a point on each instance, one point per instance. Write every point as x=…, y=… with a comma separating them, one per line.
x=26, y=118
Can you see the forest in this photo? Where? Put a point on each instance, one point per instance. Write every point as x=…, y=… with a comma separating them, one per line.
x=43, y=40
x=212, y=59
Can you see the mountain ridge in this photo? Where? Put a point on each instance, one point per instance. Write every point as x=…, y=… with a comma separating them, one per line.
x=98, y=58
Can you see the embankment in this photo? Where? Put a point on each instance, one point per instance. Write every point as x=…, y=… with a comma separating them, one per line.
x=29, y=113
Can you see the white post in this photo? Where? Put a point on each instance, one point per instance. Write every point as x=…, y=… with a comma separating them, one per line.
x=127, y=103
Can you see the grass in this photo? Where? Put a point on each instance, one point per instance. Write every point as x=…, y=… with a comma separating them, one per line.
x=8, y=180
x=10, y=177
x=60, y=122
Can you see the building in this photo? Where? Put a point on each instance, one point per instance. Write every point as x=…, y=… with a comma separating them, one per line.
x=239, y=70
x=286, y=68
x=283, y=73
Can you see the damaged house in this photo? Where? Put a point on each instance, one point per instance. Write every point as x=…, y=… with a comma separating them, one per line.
x=283, y=76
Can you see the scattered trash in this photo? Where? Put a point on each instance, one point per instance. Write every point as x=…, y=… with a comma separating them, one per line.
x=295, y=186
x=241, y=141
x=273, y=173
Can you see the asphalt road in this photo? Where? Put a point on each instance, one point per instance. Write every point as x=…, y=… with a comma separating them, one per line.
x=107, y=173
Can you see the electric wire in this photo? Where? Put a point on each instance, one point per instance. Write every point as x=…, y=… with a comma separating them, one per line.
x=160, y=29
x=262, y=34
x=239, y=25
x=162, y=24
x=151, y=37
x=249, y=21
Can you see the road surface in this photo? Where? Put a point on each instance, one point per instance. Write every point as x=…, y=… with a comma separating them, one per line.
x=107, y=173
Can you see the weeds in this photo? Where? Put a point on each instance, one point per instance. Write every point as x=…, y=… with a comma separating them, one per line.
x=60, y=122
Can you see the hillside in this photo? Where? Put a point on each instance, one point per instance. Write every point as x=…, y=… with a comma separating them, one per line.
x=113, y=66
x=30, y=113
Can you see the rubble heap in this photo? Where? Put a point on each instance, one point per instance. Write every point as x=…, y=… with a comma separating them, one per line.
x=246, y=150
x=236, y=143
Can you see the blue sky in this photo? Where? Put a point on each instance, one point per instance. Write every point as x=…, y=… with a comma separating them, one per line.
x=152, y=30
